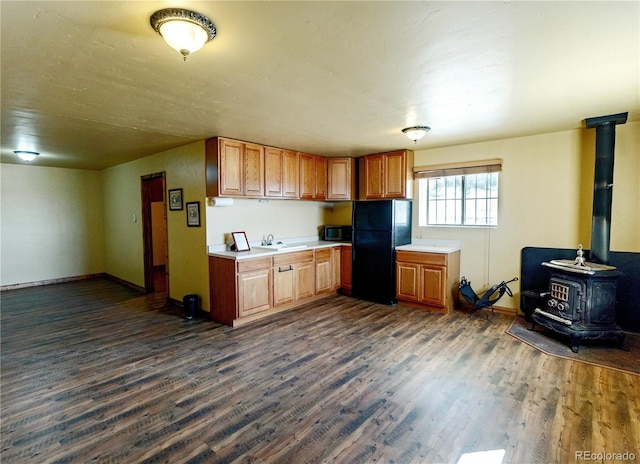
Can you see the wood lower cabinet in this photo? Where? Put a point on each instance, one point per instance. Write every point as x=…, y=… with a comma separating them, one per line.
x=243, y=290
x=386, y=175
x=336, y=267
x=345, y=269
x=429, y=280
x=254, y=291
x=293, y=277
x=324, y=280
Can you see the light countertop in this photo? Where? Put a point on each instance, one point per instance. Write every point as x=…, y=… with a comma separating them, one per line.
x=428, y=248
x=256, y=252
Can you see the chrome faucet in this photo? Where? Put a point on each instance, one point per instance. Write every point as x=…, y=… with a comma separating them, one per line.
x=269, y=240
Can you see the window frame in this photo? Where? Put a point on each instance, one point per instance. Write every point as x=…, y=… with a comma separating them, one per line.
x=425, y=174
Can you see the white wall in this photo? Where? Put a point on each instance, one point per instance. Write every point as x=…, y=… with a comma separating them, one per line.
x=51, y=224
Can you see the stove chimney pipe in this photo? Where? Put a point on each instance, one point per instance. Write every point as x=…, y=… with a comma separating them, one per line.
x=603, y=184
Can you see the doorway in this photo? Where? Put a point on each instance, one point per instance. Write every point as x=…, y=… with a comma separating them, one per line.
x=154, y=232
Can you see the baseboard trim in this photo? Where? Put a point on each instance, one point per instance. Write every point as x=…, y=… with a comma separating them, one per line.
x=124, y=282
x=39, y=283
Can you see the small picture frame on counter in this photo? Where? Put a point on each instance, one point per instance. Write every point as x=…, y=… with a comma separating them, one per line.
x=175, y=199
x=193, y=214
x=240, y=241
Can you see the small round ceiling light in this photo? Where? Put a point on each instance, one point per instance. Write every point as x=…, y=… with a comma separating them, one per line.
x=184, y=30
x=415, y=133
x=26, y=155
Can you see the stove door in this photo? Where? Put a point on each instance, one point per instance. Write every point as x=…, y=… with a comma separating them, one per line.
x=566, y=297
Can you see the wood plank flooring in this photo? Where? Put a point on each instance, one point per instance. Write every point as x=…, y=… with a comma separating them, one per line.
x=92, y=371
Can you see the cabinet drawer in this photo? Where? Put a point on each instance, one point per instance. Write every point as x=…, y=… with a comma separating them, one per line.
x=438, y=259
x=253, y=264
x=294, y=257
x=323, y=254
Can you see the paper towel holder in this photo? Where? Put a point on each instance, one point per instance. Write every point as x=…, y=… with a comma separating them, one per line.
x=219, y=201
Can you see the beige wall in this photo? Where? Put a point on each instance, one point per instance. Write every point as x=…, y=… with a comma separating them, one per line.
x=546, y=190
x=51, y=224
x=187, y=260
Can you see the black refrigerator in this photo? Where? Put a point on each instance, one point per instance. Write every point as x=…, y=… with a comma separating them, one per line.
x=379, y=226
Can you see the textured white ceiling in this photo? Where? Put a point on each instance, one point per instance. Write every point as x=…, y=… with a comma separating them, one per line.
x=90, y=84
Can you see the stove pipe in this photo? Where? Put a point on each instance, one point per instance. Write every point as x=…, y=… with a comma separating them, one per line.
x=603, y=184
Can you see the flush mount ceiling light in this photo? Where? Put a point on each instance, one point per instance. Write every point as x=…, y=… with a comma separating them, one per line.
x=26, y=155
x=415, y=133
x=184, y=30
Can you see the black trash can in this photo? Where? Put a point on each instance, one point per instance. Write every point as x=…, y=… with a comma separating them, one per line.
x=190, y=303
x=532, y=299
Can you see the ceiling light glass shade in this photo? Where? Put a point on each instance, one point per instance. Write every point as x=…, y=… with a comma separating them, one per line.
x=26, y=155
x=415, y=133
x=184, y=30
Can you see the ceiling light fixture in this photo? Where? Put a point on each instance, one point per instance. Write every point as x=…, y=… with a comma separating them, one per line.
x=26, y=155
x=415, y=133
x=184, y=30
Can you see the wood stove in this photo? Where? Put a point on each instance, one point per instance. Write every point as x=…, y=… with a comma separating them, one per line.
x=582, y=301
x=582, y=295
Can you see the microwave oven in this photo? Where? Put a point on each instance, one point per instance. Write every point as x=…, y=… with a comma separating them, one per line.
x=337, y=233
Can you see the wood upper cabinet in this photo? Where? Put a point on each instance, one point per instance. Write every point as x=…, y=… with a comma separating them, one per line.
x=313, y=177
x=386, y=175
x=281, y=173
x=234, y=168
x=429, y=279
x=341, y=178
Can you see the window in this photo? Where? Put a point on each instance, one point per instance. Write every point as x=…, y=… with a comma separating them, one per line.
x=459, y=195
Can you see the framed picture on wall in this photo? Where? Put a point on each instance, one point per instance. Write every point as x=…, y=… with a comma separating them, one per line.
x=240, y=241
x=175, y=200
x=193, y=214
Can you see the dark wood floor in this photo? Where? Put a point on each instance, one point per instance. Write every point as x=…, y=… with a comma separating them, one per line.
x=92, y=371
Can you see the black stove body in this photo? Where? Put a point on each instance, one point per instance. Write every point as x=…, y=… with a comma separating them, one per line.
x=581, y=305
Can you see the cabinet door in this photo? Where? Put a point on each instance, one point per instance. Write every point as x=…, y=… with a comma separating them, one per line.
x=231, y=174
x=433, y=285
x=307, y=176
x=273, y=172
x=373, y=176
x=320, y=177
x=304, y=278
x=339, y=183
x=254, y=291
x=345, y=268
x=395, y=172
x=324, y=281
x=283, y=284
x=336, y=265
x=290, y=174
x=408, y=281
x=253, y=170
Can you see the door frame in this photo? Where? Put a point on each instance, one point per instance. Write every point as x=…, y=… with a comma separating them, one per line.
x=147, y=230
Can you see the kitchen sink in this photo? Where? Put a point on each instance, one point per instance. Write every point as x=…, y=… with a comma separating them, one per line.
x=281, y=247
